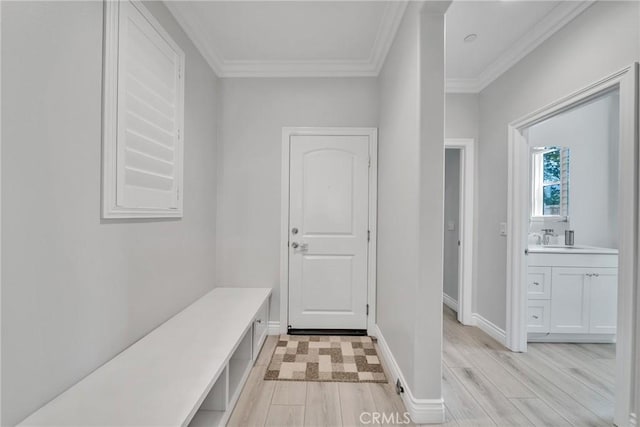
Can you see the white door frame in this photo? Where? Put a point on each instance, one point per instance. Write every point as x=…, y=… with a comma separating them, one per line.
x=626, y=80
x=467, y=191
x=0, y=213
x=287, y=133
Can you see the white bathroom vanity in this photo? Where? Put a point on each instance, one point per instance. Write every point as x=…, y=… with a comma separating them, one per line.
x=571, y=294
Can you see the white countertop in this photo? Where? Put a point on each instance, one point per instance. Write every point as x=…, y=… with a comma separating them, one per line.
x=577, y=249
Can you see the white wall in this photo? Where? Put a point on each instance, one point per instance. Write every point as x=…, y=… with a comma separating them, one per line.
x=597, y=43
x=410, y=199
x=398, y=182
x=428, y=298
x=77, y=290
x=255, y=110
x=451, y=215
x=461, y=117
x=590, y=132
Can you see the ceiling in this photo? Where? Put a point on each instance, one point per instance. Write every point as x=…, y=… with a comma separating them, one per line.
x=291, y=38
x=507, y=31
x=324, y=38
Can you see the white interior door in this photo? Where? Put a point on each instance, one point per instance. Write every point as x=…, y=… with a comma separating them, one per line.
x=328, y=231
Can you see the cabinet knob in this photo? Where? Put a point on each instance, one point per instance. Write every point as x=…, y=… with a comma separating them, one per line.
x=534, y=316
x=258, y=320
x=536, y=284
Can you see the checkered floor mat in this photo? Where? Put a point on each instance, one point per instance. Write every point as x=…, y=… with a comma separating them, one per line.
x=325, y=358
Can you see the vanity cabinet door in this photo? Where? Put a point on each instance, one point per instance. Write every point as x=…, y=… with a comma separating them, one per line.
x=260, y=328
x=570, y=301
x=603, y=290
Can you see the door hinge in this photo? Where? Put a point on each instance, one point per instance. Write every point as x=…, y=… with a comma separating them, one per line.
x=367, y=309
x=369, y=161
x=368, y=235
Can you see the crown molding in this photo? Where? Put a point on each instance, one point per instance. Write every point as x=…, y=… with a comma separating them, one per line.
x=298, y=69
x=463, y=86
x=370, y=67
x=560, y=16
x=387, y=33
x=196, y=33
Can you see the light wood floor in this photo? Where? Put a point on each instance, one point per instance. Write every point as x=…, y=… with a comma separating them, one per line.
x=298, y=403
x=484, y=384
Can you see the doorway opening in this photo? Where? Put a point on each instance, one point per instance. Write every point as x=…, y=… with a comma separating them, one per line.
x=458, y=226
x=578, y=290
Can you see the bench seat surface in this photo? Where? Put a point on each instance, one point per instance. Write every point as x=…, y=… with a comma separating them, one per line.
x=161, y=379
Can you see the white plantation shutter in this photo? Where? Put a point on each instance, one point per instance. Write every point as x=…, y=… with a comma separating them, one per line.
x=564, y=182
x=146, y=160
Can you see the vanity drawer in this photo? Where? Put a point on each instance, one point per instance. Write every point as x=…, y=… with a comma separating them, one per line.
x=538, y=316
x=539, y=282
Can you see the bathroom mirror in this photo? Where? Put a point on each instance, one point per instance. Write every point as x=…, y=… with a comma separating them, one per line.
x=550, y=182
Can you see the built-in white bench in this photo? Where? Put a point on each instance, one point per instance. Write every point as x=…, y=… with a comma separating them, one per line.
x=188, y=371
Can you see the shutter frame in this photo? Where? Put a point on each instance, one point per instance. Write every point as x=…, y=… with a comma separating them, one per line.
x=135, y=178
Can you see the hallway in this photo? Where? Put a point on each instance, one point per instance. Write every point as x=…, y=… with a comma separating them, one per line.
x=483, y=385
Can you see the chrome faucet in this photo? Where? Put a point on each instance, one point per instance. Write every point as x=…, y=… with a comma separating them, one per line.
x=548, y=233
x=537, y=236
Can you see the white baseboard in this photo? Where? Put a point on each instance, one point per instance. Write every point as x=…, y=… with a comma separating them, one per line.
x=489, y=328
x=450, y=302
x=633, y=420
x=274, y=327
x=421, y=411
x=572, y=338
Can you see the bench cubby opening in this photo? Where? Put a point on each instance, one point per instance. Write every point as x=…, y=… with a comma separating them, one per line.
x=213, y=408
x=240, y=364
